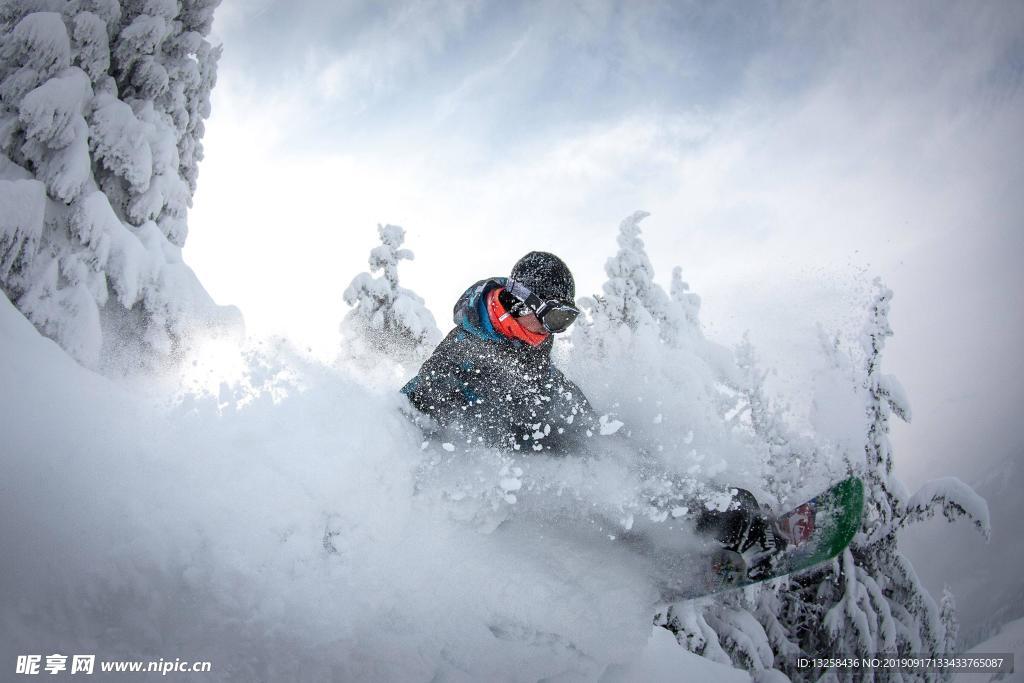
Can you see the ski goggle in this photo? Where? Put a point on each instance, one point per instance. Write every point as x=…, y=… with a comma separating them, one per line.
x=554, y=315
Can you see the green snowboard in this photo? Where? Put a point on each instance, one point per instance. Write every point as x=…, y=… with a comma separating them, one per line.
x=815, y=531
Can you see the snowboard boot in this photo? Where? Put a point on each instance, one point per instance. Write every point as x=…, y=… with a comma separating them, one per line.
x=744, y=528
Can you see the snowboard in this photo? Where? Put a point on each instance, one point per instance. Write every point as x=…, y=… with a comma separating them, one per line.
x=815, y=531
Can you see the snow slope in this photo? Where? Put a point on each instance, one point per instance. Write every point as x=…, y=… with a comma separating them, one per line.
x=272, y=526
x=1009, y=639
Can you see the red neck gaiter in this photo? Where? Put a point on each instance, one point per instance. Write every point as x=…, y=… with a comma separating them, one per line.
x=507, y=324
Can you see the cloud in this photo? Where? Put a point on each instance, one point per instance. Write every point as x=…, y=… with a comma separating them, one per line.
x=393, y=49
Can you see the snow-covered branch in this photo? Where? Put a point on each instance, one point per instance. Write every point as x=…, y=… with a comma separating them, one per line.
x=955, y=498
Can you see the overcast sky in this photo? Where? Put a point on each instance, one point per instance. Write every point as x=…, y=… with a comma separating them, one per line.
x=788, y=154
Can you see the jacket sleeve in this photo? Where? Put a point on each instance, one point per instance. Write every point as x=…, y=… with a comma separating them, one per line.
x=438, y=390
x=573, y=421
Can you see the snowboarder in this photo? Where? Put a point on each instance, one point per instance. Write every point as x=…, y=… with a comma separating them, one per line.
x=491, y=382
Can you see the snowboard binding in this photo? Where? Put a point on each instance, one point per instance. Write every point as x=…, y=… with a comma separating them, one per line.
x=727, y=567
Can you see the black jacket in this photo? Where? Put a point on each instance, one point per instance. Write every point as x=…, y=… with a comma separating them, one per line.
x=481, y=387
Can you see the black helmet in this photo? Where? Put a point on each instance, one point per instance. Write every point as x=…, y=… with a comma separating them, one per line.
x=545, y=275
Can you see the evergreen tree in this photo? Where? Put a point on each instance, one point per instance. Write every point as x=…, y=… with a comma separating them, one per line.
x=387, y=319
x=724, y=629
x=631, y=296
x=634, y=315
x=635, y=327
x=869, y=601
x=750, y=628
x=633, y=306
x=786, y=453
x=950, y=623
x=683, y=317
x=101, y=115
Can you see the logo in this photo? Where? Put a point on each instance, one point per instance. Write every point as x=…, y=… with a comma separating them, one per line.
x=799, y=524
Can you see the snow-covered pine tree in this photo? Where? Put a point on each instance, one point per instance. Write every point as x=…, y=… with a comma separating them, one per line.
x=950, y=623
x=632, y=305
x=634, y=314
x=750, y=628
x=787, y=454
x=635, y=319
x=387, y=319
x=788, y=457
x=869, y=601
x=724, y=629
x=101, y=115
x=683, y=316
